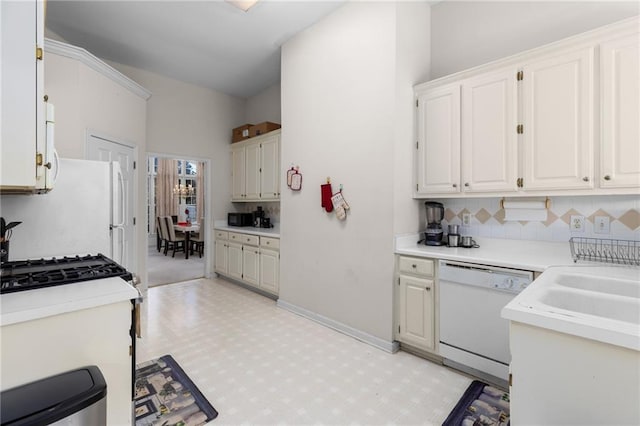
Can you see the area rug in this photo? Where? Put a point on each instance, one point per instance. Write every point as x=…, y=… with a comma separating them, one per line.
x=481, y=404
x=166, y=396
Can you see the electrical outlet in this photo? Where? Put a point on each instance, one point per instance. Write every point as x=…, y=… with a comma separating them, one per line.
x=577, y=223
x=466, y=219
x=601, y=225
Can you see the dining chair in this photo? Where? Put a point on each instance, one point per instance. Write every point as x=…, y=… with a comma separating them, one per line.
x=197, y=240
x=173, y=242
x=164, y=232
x=160, y=236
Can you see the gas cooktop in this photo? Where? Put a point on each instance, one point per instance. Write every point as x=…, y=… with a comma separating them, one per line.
x=32, y=274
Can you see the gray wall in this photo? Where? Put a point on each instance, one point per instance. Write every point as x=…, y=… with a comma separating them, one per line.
x=465, y=34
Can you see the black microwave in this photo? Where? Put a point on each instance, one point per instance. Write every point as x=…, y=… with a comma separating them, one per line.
x=240, y=219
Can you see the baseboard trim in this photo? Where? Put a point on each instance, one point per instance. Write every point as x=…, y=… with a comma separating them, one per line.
x=391, y=347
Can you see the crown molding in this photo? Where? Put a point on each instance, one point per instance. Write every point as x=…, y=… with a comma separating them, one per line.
x=96, y=64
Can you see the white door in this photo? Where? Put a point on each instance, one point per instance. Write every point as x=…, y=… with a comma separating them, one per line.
x=438, y=157
x=489, y=139
x=558, y=119
x=417, y=315
x=270, y=168
x=122, y=239
x=620, y=146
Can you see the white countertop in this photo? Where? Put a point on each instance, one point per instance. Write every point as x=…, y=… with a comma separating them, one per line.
x=30, y=305
x=263, y=232
x=520, y=254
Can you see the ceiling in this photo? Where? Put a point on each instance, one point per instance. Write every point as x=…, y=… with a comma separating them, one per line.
x=207, y=43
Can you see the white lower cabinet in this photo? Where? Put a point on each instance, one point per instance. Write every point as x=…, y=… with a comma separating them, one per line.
x=251, y=265
x=248, y=258
x=270, y=270
x=221, y=263
x=416, y=305
x=235, y=260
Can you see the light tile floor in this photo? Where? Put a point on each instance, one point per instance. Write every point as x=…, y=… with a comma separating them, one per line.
x=260, y=364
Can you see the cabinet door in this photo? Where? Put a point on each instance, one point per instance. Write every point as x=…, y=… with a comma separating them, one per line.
x=22, y=123
x=270, y=169
x=558, y=121
x=252, y=171
x=489, y=139
x=235, y=260
x=251, y=265
x=270, y=270
x=620, y=146
x=417, y=312
x=438, y=151
x=238, y=192
x=222, y=255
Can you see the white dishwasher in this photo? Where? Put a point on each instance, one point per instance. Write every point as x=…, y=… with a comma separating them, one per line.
x=472, y=332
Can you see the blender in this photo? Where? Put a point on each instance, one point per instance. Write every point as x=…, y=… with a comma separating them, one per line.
x=433, y=233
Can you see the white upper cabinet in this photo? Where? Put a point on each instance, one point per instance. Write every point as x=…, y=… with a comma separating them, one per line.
x=252, y=171
x=489, y=140
x=620, y=91
x=270, y=168
x=438, y=147
x=238, y=156
x=256, y=168
x=23, y=154
x=561, y=119
x=558, y=121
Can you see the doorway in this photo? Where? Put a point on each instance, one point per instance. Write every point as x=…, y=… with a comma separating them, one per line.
x=175, y=188
x=103, y=148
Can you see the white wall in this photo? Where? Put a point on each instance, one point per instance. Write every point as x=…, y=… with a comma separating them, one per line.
x=185, y=120
x=265, y=106
x=469, y=33
x=412, y=67
x=339, y=95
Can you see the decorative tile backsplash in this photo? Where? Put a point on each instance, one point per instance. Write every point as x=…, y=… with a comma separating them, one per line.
x=271, y=209
x=487, y=218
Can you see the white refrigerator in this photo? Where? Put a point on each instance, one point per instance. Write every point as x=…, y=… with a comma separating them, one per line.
x=83, y=214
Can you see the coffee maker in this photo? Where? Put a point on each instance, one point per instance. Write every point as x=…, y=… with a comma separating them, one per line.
x=435, y=214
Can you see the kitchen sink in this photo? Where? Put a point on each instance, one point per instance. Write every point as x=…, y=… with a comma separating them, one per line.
x=595, y=302
x=619, y=308
x=610, y=285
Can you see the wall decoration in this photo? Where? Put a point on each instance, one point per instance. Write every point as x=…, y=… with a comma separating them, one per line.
x=294, y=178
x=325, y=196
x=340, y=204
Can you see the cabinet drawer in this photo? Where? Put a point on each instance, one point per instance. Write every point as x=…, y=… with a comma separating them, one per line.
x=222, y=235
x=250, y=240
x=413, y=265
x=272, y=243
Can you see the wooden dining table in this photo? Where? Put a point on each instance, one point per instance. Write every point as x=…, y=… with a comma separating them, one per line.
x=187, y=229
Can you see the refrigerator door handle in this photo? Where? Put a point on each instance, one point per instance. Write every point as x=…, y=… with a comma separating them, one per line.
x=122, y=199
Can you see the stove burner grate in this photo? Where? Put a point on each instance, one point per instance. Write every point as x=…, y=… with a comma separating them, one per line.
x=38, y=273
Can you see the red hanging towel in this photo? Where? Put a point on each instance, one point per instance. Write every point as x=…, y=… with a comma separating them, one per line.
x=326, y=193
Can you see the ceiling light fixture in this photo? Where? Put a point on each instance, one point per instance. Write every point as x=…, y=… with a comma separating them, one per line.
x=243, y=4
